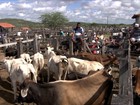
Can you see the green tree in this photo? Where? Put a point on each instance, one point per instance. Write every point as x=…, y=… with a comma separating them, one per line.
x=53, y=20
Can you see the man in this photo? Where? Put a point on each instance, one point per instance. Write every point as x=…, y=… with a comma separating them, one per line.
x=134, y=38
x=78, y=33
x=61, y=32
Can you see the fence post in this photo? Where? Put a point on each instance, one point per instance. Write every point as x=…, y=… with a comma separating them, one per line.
x=86, y=45
x=36, y=49
x=19, y=47
x=70, y=46
x=27, y=44
x=56, y=44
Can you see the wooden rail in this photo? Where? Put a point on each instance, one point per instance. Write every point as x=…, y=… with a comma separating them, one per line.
x=14, y=43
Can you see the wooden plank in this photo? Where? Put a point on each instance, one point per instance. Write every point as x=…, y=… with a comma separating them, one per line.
x=14, y=43
x=70, y=46
x=36, y=49
x=20, y=48
x=87, y=46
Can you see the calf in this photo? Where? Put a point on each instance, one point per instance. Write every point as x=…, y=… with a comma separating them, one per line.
x=91, y=90
x=18, y=70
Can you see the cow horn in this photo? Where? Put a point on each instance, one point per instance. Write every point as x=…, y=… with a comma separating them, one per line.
x=24, y=92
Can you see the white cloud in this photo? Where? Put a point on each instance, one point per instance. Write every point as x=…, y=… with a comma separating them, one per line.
x=41, y=9
x=5, y=5
x=116, y=4
x=25, y=5
x=62, y=8
x=21, y=14
x=87, y=10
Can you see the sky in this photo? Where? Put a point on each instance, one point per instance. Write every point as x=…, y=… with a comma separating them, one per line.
x=90, y=11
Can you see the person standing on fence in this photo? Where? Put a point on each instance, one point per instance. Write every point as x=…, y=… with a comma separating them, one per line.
x=77, y=39
x=61, y=33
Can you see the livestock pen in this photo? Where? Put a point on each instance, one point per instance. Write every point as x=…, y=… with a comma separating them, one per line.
x=125, y=96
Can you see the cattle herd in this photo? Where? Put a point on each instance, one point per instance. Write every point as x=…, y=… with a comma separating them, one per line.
x=82, y=79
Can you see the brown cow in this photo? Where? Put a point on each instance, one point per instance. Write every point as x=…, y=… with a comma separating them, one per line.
x=136, y=83
x=106, y=60
x=94, y=89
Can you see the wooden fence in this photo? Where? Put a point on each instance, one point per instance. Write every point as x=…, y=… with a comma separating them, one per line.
x=125, y=96
x=19, y=45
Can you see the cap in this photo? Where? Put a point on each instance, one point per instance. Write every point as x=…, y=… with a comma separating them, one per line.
x=136, y=25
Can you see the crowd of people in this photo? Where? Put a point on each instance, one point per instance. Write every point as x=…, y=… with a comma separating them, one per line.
x=97, y=40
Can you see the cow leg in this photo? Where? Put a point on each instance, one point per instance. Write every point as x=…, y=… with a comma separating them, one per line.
x=65, y=74
x=48, y=75
x=15, y=90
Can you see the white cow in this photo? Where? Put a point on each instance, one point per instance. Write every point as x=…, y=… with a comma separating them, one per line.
x=26, y=57
x=83, y=66
x=38, y=61
x=49, y=52
x=19, y=70
x=54, y=63
x=57, y=65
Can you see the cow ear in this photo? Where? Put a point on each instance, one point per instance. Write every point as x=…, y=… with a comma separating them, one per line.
x=24, y=92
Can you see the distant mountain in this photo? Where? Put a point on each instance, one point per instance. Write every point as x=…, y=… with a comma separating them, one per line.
x=21, y=23
x=30, y=24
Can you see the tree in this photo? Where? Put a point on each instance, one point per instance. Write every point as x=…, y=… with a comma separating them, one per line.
x=53, y=20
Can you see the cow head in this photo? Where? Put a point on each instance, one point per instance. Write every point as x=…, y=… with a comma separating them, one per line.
x=24, y=88
x=64, y=60
x=63, y=63
x=62, y=67
x=26, y=94
x=49, y=48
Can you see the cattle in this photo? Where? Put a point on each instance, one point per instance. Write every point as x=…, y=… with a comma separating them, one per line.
x=83, y=66
x=106, y=60
x=56, y=64
x=38, y=61
x=136, y=84
x=19, y=70
x=49, y=52
x=94, y=89
x=26, y=57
